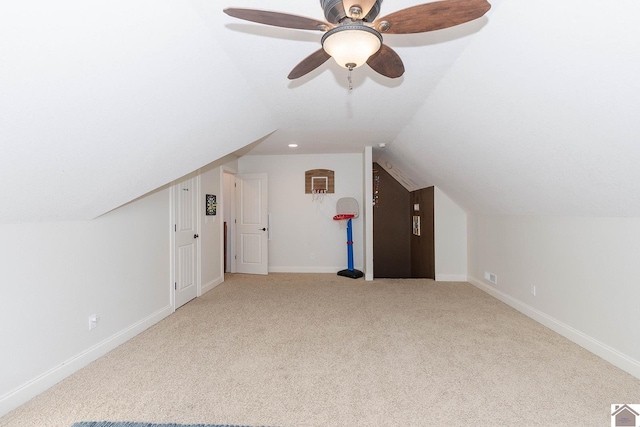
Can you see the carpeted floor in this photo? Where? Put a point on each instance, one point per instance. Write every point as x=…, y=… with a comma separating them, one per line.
x=324, y=350
x=128, y=424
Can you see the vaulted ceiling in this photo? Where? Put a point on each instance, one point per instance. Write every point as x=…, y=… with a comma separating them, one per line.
x=532, y=109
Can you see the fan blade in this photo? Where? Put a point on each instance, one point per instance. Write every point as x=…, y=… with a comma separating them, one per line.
x=432, y=16
x=278, y=19
x=364, y=5
x=309, y=64
x=386, y=62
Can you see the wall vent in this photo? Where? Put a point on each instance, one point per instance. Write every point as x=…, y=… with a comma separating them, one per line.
x=491, y=277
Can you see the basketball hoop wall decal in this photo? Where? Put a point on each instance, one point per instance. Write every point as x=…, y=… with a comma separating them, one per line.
x=319, y=185
x=318, y=177
x=318, y=182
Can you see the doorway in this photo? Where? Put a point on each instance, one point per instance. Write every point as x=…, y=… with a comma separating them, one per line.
x=246, y=222
x=185, y=240
x=252, y=223
x=403, y=229
x=229, y=215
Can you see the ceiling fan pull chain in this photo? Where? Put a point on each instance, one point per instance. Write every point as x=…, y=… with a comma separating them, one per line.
x=350, y=67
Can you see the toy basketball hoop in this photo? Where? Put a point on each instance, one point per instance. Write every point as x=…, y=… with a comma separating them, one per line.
x=343, y=217
x=346, y=210
x=347, y=206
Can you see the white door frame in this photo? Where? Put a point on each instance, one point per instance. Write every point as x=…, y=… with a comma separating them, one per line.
x=172, y=239
x=229, y=199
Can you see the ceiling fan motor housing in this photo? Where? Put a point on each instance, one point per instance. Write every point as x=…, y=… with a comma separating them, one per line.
x=334, y=11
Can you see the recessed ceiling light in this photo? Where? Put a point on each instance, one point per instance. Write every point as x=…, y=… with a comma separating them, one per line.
x=293, y=145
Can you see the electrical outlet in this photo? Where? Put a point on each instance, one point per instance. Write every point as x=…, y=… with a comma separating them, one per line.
x=312, y=256
x=93, y=321
x=533, y=290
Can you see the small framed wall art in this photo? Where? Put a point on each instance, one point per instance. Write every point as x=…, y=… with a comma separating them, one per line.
x=416, y=225
x=211, y=204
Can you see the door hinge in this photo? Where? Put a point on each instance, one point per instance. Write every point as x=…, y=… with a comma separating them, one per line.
x=175, y=286
x=175, y=227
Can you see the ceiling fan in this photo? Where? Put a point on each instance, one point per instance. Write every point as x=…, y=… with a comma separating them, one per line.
x=353, y=35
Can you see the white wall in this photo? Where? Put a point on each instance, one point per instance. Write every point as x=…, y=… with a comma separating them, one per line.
x=301, y=227
x=211, y=231
x=450, y=231
x=585, y=271
x=367, y=212
x=55, y=275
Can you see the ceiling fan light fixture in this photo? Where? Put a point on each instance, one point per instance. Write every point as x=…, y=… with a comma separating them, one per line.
x=351, y=44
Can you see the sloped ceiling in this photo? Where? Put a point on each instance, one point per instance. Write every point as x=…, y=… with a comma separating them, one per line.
x=539, y=115
x=104, y=101
x=531, y=109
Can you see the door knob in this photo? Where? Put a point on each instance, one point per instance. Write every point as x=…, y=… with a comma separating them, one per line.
x=263, y=229
x=195, y=236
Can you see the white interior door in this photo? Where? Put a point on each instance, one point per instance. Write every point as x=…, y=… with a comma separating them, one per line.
x=252, y=227
x=186, y=235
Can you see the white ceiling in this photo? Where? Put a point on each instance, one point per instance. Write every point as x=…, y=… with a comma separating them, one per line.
x=318, y=111
x=531, y=109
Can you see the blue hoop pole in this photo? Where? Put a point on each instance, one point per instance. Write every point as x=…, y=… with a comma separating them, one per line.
x=349, y=246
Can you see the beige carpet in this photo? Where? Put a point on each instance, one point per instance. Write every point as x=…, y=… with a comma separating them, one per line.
x=323, y=350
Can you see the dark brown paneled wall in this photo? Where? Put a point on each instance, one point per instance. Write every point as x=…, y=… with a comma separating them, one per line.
x=391, y=227
x=423, y=264
x=397, y=253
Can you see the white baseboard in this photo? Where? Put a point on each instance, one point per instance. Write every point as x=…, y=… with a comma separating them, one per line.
x=305, y=269
x=598, y=348
x=31, y=389
x=451, y=277
x=210, y=285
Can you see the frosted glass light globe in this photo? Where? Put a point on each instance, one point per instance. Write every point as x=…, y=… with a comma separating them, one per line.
x=351, y=45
